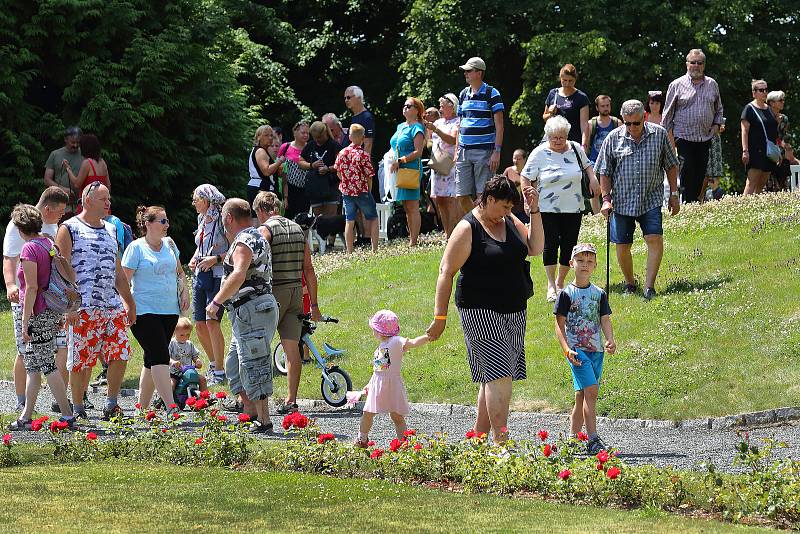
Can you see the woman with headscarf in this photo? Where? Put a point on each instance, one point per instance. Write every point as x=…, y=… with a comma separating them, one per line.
x=206, y=264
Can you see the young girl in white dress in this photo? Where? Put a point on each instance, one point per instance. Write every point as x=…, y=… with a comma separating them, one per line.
x=386, y=392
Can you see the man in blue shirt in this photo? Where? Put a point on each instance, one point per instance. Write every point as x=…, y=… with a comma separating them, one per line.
x=480, y=134
x=354, y=101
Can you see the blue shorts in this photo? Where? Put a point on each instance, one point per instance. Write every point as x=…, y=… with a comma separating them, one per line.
x=204, y=289
x=363, y=202
x=623, y=226
x=590, y=372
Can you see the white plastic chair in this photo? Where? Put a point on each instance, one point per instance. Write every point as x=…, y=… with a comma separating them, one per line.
x=384, y=211
x=794, y=178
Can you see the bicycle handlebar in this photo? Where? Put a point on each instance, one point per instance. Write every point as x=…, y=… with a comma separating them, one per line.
x=325, y=318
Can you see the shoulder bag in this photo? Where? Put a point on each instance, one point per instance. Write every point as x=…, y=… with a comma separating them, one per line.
x=408, y=178
x=441, y=162
x=587, y=194
x=773, y=151
x=184, y=302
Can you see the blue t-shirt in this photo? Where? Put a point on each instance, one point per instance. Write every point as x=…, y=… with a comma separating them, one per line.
x=600, y=134
x=403, y=142
x=583, y=307
x=366, y=120
x=154, y=282
x=476, y=111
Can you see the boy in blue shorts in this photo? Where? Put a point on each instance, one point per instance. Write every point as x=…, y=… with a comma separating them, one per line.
x=582, y=311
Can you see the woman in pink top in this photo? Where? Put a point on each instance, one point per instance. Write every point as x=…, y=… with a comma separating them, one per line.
x=40, y=324
x=295, y=200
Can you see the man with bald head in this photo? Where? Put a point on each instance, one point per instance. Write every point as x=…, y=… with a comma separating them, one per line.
x=97, y=329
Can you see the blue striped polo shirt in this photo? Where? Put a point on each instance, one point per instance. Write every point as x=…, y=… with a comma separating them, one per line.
x=476, y=112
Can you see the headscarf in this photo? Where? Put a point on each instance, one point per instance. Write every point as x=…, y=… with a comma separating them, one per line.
x=215, y=200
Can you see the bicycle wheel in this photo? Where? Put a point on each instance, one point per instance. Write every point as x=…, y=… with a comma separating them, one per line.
x=336, y=393
x=279, y=360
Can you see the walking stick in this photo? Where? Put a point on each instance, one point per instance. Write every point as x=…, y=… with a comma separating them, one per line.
x=608, y=249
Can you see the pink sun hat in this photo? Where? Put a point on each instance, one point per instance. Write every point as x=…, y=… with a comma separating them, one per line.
x=385, y=323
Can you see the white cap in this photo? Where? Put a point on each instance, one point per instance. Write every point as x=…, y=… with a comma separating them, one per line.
x=474, y=63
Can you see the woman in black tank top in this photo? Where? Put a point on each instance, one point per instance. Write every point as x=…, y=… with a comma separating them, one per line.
x=490, y=246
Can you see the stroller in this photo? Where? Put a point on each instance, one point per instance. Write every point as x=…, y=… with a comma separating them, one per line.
x=397, y=226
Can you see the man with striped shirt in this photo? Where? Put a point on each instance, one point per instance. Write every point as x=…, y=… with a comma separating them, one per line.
x=480, y=133
x=692, y=116
x=291, y=259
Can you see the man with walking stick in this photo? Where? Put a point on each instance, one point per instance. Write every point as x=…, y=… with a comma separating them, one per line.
x=630, y=165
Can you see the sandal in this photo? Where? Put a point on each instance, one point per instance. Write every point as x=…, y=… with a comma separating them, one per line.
x=20, y=424
x=361, y=444
x=284, y=409
x=261, y=428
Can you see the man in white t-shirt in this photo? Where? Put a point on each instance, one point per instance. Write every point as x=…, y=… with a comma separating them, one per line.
x=52, y=204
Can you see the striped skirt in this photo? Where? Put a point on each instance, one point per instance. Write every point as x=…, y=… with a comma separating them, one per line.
x=495, y=343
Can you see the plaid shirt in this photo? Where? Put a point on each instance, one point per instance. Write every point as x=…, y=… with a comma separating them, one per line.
x=636, y=169
x=691, y=110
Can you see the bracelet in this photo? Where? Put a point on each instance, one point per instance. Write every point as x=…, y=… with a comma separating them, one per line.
x=315, y=305
x=745, y=151
x=440, y=317
x=535, y=212
x=219, y=258
x=215, y=303
x=606, y=198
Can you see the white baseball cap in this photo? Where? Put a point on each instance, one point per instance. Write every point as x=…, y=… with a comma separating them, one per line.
x=474, y=63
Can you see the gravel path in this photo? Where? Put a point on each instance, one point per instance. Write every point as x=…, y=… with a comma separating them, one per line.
x=660, y=443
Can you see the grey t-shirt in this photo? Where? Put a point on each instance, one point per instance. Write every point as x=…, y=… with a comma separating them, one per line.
x=54, y=161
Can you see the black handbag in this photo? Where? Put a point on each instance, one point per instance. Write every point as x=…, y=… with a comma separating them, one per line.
x=587, y=194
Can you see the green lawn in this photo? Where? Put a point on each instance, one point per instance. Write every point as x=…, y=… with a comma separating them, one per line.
x=720, y=339
x=122, y=497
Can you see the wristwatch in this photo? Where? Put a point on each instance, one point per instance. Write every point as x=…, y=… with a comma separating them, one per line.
x=674, y=193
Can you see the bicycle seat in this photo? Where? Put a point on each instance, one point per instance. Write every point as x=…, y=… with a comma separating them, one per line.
x=332, y=351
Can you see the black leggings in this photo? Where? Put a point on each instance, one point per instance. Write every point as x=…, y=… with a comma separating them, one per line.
x=153, y=332
x=560, y=231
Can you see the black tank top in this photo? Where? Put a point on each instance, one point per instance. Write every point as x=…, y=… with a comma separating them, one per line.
x=496, y=274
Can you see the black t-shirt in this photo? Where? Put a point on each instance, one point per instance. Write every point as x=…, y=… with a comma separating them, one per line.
x=320, y=186
x=366, y=120
x=755, y=137
x=569, y=107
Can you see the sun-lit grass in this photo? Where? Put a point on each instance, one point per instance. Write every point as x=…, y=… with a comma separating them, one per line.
x=720, y=338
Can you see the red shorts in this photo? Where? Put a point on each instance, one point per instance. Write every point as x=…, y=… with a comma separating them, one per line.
x=100, y=333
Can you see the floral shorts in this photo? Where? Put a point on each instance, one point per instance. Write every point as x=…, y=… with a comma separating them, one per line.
x=100, y=333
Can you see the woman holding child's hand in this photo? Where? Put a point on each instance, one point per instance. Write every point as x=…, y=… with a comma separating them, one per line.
x=490, y=246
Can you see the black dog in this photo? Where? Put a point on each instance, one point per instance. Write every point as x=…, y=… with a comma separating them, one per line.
x=323, y=225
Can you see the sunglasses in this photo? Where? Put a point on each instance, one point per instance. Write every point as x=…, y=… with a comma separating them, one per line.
x=348, y=97
x=162, y=221
x=633, y=123
x=696, y=62
x=760, y=90
x=408, y=106
x=469, y=70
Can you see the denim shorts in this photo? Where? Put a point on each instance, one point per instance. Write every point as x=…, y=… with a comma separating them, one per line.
x=589, y=373
x=623, y=226
x=472, y=170
x=363, y=202
x=248, y=365
x=202, y=294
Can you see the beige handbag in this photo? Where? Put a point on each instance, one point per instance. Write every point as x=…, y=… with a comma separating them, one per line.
x=441, y=162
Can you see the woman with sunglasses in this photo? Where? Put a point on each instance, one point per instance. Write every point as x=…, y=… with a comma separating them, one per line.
x=754, y=142
x=152, y=266
x=408, y=142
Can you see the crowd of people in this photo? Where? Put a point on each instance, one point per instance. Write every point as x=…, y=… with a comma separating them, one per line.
x=253, y=260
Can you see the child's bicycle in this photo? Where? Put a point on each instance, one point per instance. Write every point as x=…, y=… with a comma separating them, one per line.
x=335, y=382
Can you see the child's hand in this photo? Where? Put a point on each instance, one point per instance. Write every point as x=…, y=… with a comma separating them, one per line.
x=611, y=346
x=416, y=342
x=572, y=356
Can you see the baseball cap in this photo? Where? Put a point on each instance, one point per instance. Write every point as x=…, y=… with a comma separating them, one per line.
x=474, y=63
x=583, y=247
x=385, y=323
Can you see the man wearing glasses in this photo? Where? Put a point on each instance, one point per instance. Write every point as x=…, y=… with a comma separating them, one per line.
x=692, y=116
x=480, y=134
x=631, y=166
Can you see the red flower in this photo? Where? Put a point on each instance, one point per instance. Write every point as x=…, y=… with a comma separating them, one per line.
x=470, y=434
x=613, y=472
x=6, y=439
x=322, y=438
x=599, y=467
x=138, y=405
x=410, y=432
x=176, y=416
x=543, y=434
x=504, y=430
x=172, y=406
x=547, y=450
x=222, y=418
x=565, y=474
x=370, y=443
x=198, y=441
x=150, y=415
x=164, y=430
x=200, y=404
x=43, y=419
x=36, y=425
x=582, y=436
x=300, y=420
x=191, y=401
x=221, y=395
x=244, y=418
x=54, y=427
x=377, y=453
x=205, y=394
x=395, y=445
x=213, y=412
x=602, y=457
x=287, y=421
x=91, y=436
x=482, y=435
x=417, y=446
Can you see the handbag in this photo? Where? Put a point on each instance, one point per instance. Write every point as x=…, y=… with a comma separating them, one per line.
x=441, y=162
x=587, y=194
x=291, y=170
x=184, y=302
x=61, y=294
x=773, y=150
x=408, y=178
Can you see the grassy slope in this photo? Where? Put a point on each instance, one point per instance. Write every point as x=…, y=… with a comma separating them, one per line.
x=213, y=500
x=720, y=339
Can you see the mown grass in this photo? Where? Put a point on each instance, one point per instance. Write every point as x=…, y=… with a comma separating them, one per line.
x=720, y=339
x=121, y=496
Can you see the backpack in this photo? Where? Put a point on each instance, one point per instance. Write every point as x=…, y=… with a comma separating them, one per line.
x=593, y=128
x=61, y=294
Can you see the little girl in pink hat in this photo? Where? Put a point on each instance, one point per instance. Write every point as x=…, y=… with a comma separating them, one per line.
x=386, y=392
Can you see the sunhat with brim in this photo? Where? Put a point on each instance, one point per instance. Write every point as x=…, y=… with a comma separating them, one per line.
x=385, y=323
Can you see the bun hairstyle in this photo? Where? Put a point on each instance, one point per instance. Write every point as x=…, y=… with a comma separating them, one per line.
x=569, y=70
x=499, y=188
x=146, y=214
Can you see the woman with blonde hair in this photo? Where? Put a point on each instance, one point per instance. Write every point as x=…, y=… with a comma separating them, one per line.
x=758, y=126
x=263, y=170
